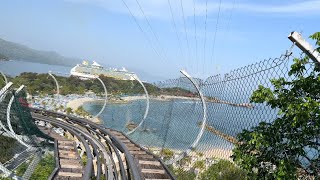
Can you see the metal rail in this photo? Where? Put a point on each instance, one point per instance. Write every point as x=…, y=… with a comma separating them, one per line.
x=72, y=130
x=109, y=143
x=94, y=143
x=131, y=164
x=150, y=153
x=56, y=158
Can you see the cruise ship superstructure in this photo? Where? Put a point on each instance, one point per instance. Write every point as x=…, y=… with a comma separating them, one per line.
x=86, y=70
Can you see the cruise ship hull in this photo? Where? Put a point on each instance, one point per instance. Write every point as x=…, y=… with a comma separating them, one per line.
x=91, y=72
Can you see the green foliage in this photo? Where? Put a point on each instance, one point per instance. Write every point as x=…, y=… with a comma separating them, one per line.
x=82, y=112
x=199, y=165
x=3, y=57
x=185, y=161
x=44, y=168
x=274, y=150
x=184, y=175
x=223, y=170
x=69, y=110
x=42, y=84
x=84, y=159
x=21, y=169
x=200, y=154
x=2, y=82
x=5, y=178
x=6, y=149
x=181, y=174
x=166, y=154
x=176, y=91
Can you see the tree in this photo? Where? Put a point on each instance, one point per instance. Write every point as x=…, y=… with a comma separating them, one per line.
x=290, y=144
x=223, y=170
x=3, y=58
x=199, y=165
x=166, y=154
x=69, y=110
x=44, y=168
x=184, y=175
x=185, y=161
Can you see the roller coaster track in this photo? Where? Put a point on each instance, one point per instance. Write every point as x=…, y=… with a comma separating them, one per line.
x=110, y=153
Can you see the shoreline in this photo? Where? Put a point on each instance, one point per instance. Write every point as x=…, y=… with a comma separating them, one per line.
x=76, y=103
x=210, y=153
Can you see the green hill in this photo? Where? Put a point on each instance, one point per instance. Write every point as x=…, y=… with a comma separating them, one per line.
x=17, y=51
x=3, y=58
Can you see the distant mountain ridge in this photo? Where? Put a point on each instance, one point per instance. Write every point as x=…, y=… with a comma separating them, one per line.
x=17, y=51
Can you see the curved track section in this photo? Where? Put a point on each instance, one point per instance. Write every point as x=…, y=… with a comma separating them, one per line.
x=122, y=158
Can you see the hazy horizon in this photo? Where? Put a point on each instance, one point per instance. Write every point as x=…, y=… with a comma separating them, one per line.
x=232, y=34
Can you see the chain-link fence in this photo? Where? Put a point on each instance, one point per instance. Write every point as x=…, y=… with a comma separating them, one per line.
x=175, y=117
x=177, y=127
x=21, y=140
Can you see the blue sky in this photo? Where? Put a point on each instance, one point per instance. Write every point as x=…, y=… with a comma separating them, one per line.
x=104, y=30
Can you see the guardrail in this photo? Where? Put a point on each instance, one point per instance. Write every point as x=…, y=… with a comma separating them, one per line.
x=56, y=158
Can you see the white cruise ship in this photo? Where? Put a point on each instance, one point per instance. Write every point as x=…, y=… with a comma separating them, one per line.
x=86, y=70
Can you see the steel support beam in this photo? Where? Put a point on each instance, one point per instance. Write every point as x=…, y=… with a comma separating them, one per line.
x=307, y=48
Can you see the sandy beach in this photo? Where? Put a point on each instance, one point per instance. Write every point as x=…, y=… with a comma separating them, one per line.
x=218, y=153
x=76, y=103
x=210, y=153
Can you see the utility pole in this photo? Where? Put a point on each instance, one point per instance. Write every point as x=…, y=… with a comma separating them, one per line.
x=306, y=47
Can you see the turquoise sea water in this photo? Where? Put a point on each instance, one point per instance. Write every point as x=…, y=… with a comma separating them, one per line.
x=174, y=124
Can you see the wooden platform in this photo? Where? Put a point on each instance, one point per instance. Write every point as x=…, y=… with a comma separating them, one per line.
x=71, y=167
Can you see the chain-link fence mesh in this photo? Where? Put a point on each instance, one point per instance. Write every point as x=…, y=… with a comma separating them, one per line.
x=176, y=113
x=176, y=116
x=20, y=138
